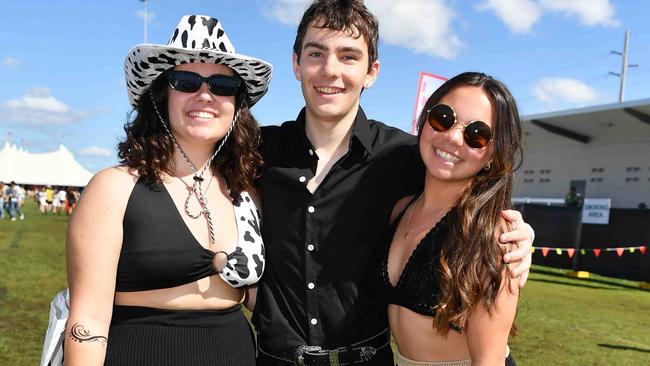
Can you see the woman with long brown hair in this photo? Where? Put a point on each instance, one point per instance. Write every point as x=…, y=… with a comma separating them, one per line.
x=451, y=299
x=161, y=248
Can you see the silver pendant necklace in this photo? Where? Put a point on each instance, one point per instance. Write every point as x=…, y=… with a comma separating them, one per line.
x=418, y=228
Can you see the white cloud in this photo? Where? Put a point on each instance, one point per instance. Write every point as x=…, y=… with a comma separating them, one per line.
x=150, y=15
x=39, y=107
x=521, y=15
x=287, y=12
x=559, y=91
x=11, y=62
x=406, y=23
x=38, y=99
x=590, y=13
x=518, y=15
x=96, y=151
x=409, y=24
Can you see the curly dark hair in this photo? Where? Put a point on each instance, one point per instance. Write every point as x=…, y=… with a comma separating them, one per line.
x=148, y=148
x=350, y=16
x=471, y=273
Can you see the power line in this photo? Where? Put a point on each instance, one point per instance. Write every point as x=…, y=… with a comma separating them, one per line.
x=562, y=68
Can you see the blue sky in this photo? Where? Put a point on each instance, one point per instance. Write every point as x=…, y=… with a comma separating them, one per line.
x=61, y=64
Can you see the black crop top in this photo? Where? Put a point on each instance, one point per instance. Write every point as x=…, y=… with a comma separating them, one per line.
x=417, y=287
x=159, y=251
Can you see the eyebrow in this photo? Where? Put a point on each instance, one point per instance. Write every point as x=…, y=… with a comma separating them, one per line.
x=322, y=47
x=317, y=45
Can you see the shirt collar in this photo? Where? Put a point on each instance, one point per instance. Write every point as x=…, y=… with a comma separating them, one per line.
x=360, y=131
x=301, y=143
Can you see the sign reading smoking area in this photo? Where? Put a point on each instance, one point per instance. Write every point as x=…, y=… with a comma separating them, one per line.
x=596, y=211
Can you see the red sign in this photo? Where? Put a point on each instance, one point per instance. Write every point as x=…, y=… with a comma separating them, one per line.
x=427, y=84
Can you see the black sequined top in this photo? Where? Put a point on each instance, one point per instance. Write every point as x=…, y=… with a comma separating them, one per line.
x=417, y=287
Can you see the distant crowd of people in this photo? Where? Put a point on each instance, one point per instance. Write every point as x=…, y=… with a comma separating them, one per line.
x=56, y=200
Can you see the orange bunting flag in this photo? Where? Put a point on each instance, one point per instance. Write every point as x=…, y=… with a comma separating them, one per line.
x=596, y=252
x=570, y=251
x=642, y=249
x=544, y=251
x=620, y=251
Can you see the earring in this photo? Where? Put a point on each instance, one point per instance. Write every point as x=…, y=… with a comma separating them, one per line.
x=487, y=166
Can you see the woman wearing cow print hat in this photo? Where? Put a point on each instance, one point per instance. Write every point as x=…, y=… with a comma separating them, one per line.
x=161, y=248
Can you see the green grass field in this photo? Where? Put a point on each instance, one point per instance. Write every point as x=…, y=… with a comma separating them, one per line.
x=562, y=321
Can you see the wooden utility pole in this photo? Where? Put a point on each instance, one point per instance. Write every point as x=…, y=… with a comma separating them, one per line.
x=623, y=73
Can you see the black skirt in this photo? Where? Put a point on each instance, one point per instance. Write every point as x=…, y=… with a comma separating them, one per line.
x=147, y=336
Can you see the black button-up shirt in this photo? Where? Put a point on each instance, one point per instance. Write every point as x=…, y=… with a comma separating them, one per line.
x=318, y=245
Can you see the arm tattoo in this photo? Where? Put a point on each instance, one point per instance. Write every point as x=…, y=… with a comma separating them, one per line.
x=79, y=334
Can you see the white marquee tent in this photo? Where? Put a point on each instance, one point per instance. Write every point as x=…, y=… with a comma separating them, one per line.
x=55, y=168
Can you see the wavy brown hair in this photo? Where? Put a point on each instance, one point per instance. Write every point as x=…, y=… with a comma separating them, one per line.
x=350, y=16
x=148, y=148
x=471, y=261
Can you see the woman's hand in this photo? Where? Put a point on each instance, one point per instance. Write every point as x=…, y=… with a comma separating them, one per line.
x=519, y=257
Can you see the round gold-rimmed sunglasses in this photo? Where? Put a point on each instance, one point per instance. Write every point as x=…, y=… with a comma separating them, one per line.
x=442, y=117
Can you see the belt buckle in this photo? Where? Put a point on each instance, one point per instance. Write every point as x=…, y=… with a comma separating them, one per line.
x=367, y=352
x=300, y=352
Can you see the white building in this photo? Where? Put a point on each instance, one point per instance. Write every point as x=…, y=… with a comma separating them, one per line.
x=604, y=151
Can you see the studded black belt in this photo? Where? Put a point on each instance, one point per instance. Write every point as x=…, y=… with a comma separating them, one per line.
x=348, y=355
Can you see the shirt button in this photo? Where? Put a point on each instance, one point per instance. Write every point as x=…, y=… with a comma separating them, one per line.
x=310, y=285
x=302, y=179
x=311, y=152
x=311, y=209
x=310, y=247
x=314, y=321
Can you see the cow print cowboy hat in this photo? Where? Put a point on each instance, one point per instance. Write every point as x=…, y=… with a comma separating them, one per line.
x=196, y=39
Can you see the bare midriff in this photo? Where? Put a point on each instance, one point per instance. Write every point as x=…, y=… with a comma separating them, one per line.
x=417, y=339
x=206, y=293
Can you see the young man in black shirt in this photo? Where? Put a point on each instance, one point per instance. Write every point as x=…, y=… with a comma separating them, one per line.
x=330, y=181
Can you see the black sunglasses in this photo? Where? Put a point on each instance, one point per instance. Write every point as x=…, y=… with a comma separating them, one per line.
x=190, y=82
x=477, y=134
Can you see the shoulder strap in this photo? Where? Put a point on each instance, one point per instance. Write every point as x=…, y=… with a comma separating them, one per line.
x=399, y=216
